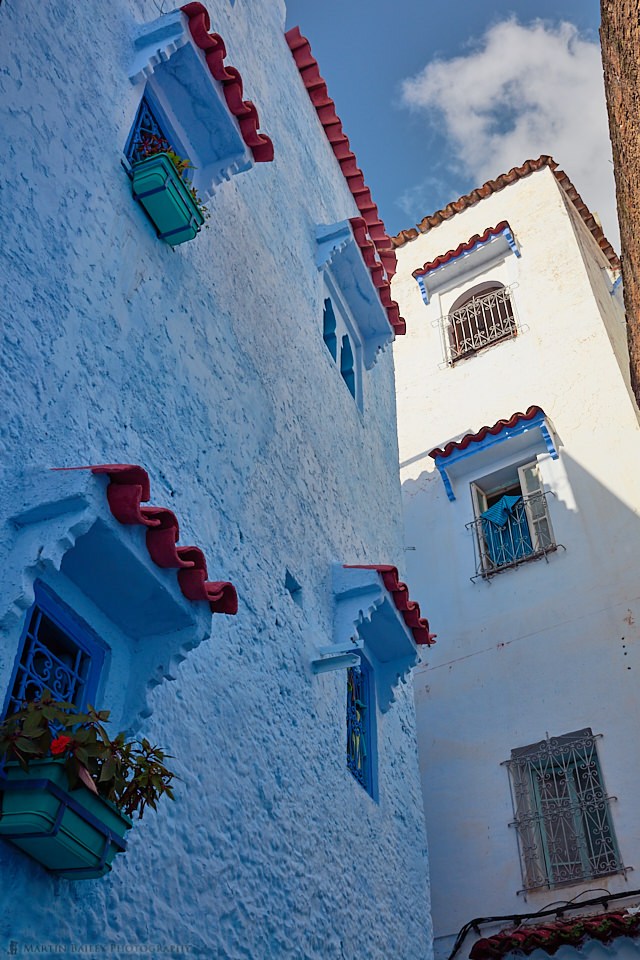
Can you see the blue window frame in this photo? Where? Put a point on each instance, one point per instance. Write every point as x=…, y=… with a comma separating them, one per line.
x=347, y=366
x=57, y=653
x=329, y=329
x=359, y=720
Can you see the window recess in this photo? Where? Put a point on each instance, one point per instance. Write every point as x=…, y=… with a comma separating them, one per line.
x=512, y=522
x=483, y=316
x=562, y=812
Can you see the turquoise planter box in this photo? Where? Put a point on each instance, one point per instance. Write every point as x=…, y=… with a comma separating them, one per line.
x=166, y=198
x=73, y=833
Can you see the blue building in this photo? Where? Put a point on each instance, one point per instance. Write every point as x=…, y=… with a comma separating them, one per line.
x=200, y=505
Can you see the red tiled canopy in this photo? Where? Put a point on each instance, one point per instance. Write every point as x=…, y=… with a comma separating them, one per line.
x=212, y=45
x=128, y=488
x=550, y=937
x=477, y=437
x=461, y=248
x=409, y=609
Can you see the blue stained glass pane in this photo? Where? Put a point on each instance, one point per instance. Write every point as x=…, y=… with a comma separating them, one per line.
x=358, y=726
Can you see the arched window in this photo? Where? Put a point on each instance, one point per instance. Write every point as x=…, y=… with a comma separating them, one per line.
x=346, y=366
x=329, y=329
x=480, y=317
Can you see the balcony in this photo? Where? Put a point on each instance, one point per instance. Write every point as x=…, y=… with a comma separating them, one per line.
x=515, y=530
x=481, y=321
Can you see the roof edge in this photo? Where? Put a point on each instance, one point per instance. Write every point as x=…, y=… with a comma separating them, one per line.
x=500, y=183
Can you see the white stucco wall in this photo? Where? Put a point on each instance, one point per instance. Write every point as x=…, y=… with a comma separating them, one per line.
x=206, y=365
x=545, y=647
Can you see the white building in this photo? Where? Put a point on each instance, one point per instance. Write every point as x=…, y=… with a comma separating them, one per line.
x=520, y=462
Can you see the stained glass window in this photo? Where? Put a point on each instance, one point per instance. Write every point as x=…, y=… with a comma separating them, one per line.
x=359, y=725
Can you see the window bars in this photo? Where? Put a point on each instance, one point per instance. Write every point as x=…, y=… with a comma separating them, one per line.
x=147, y=136
x=561, y=812
x=484, y=319
x=525, y=535
x=358, y=726
x=51, y=661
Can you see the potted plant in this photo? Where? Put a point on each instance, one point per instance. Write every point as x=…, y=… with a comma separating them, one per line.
x=160, y=183
x=68, y=791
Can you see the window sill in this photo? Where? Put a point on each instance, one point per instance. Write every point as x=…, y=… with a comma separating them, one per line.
x=537, y=555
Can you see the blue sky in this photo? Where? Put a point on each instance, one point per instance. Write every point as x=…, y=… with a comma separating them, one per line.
x=438, y=97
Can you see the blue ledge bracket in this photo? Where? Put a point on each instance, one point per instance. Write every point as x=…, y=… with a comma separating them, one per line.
x=475, y=257
x=338, y=252
x=175, y=70
x=526, y=435
x=365, y=614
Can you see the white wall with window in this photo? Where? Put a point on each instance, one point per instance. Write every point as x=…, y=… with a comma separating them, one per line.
x=527, y=552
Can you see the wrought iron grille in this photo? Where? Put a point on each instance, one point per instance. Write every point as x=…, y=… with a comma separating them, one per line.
x=358, y=720
x=483, y=320
x=561, y=812
x=50, y=660
x=526, y=534
x=147, y=136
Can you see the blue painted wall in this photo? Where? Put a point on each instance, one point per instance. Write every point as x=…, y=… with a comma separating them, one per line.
x=206, y=364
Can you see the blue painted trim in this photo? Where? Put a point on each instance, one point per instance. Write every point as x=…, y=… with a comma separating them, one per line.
x=615, y=286
x=489, y=441
x=506, y=233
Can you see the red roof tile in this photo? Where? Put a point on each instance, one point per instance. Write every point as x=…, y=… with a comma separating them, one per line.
x=325, y=108
x=504, y=180
x=214, y=50
x=550, y=936
x=128, y=487
x=461, y=248
x=483, y=431
x=410, y=610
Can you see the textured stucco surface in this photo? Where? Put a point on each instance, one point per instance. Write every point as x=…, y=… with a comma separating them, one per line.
x=545, y=647
x=620, y=39
x=206, y=365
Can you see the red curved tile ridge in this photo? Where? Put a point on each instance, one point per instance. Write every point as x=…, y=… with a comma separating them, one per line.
x=378, y=274
x=409, y=609
x=605, y=927
x=128, y=486
x=214, y=50
x=326, y=110
x=483, y=431
x=461, y=248
x=502, y=181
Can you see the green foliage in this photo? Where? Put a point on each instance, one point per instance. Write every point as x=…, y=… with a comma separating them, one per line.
x=132, y=775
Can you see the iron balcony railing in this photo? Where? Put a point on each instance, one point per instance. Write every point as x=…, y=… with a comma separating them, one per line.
x=483, y=320
x=562, y=812
x=527, y=534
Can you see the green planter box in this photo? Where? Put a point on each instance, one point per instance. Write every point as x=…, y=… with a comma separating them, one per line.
x=73, y=833
x=166, y=198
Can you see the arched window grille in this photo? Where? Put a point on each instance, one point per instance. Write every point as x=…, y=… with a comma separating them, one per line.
x=482, y=316
x=329, y=329
x=347, y=366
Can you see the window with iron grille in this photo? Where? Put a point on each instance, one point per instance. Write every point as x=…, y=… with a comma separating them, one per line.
x=148, y=136
x=561, y=812
x=481, y=317
x=512, y=522
x=55, y=654
x=359, y=720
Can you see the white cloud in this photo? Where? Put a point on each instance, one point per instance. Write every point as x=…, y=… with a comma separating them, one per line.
x=521, y=91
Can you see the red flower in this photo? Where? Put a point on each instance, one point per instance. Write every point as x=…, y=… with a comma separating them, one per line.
x=59, y=745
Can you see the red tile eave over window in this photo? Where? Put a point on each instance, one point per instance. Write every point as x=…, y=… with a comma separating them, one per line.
x=461, y=248
x=550, y=937
x=128, y=489
x=369, y=221
x=483, y=431
x=409, y=609
x=502, y=181
x=212, y=45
